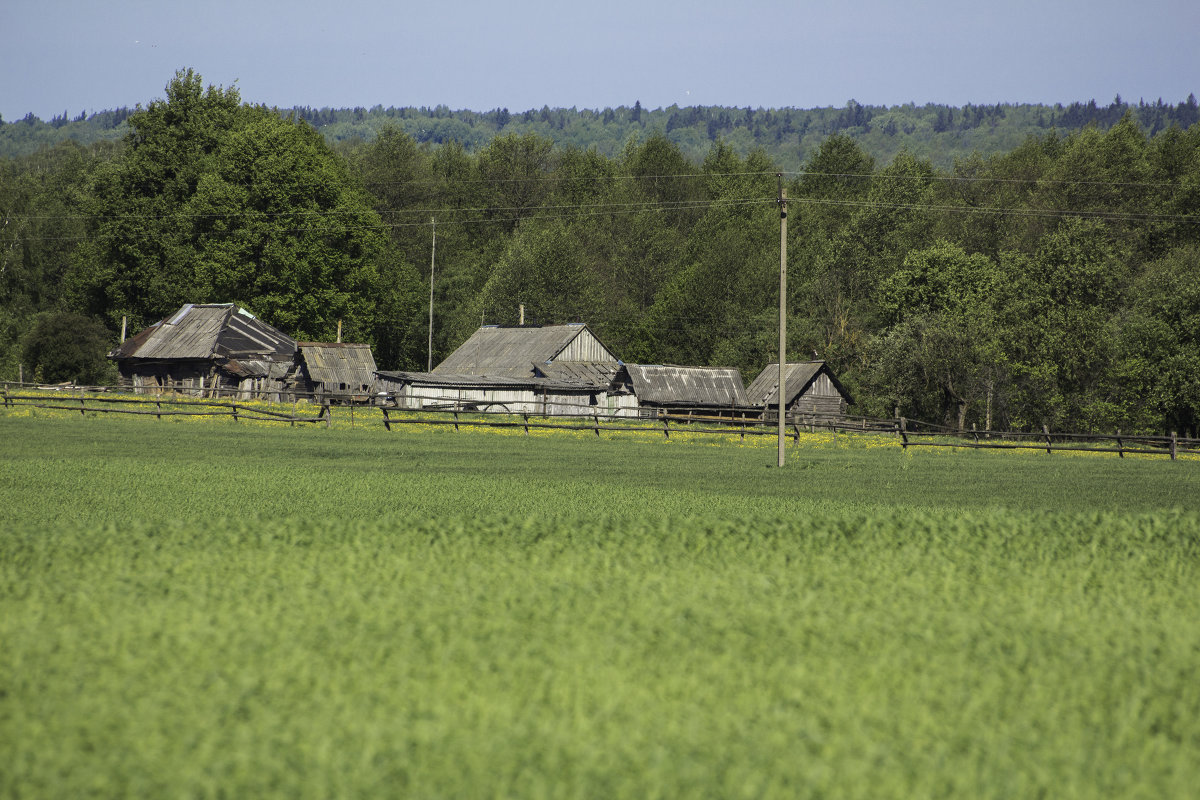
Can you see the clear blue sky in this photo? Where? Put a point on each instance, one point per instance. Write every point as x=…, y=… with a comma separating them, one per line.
x=73, y=56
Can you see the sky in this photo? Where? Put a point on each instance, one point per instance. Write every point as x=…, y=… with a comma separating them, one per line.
x=70, y=56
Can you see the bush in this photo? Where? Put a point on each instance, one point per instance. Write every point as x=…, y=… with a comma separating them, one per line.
x=68, y=347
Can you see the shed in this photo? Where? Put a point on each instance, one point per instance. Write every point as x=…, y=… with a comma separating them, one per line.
x=505, y=351
x=334, y=371
x=673, y=387
x=812, y=388
x=202, y=348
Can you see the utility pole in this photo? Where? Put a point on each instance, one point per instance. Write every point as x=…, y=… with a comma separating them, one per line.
x=782, y=312
x=432, y=257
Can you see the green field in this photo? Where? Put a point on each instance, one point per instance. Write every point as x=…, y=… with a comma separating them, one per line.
x=225, y=610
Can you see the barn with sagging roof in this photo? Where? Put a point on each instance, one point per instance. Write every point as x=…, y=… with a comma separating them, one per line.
x=334, y=371
x=207, y=347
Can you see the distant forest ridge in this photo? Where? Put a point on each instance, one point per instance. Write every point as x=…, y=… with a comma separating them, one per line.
x=789, y=136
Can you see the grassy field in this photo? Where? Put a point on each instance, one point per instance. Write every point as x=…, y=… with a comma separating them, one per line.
x=215, y=609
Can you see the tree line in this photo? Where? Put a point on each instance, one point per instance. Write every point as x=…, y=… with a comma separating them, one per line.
x=1055, y=283
x=941, y=133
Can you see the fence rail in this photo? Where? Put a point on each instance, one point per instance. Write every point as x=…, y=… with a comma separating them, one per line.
x=696, y=421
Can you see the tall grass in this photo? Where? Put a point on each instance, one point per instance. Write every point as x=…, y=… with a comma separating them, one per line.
x=207, y=611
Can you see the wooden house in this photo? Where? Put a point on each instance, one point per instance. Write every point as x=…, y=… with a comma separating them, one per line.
x=549, y=370
x=673, y=388
x=205, y=348
x=812, y=389
x=334, y=372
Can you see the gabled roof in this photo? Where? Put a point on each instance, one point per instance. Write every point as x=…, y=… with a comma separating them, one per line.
x=501, y=351
x=687, y=386
x=208, y=331
x=336, y=364
x=764, y=390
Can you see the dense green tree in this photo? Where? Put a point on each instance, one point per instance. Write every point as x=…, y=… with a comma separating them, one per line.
x=1159, y=364
x=940, y=355
x=1058, y=325
x=63, y=346
x=214, y=201
x=1045, y=280
x=546, y=270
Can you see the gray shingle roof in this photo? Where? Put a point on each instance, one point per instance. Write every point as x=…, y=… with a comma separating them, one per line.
x=764, y=390
x=687, y=386
x=208, y=331
x=337, y=364
x=511, y=352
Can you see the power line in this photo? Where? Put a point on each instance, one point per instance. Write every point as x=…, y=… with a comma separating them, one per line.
x=574, y=211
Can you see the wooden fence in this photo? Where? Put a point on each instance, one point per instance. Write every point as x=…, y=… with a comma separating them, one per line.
x=927, y=435
x=591, y=419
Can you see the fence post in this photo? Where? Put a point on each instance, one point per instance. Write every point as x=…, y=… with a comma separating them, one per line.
x=796, y=433
x=1174, y=444
x=158, y=405
x=901, y=428
x=235, y=417
x=455, y=412
x=666, y=427
x=387, y=422
x=1046, y=433
x=81, y=405
x=525, y=415
x=1120, y=446
x=596, y=421
x=327, y=410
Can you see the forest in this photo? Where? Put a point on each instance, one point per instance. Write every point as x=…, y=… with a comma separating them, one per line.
x=1051, y=280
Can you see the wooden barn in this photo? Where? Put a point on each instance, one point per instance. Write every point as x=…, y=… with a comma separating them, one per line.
x=515, y=352
x=672, y=388
x=334, y=372
x=549, y=370
x=202, y=348
x=812, y=389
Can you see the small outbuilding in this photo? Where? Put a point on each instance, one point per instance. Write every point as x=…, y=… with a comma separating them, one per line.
x=206, y=349
x=674, y=388
x=334, y=371
x=812, y=389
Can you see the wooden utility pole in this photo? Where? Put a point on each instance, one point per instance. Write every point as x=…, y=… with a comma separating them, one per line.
x=432, y=260
x=782, y=314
